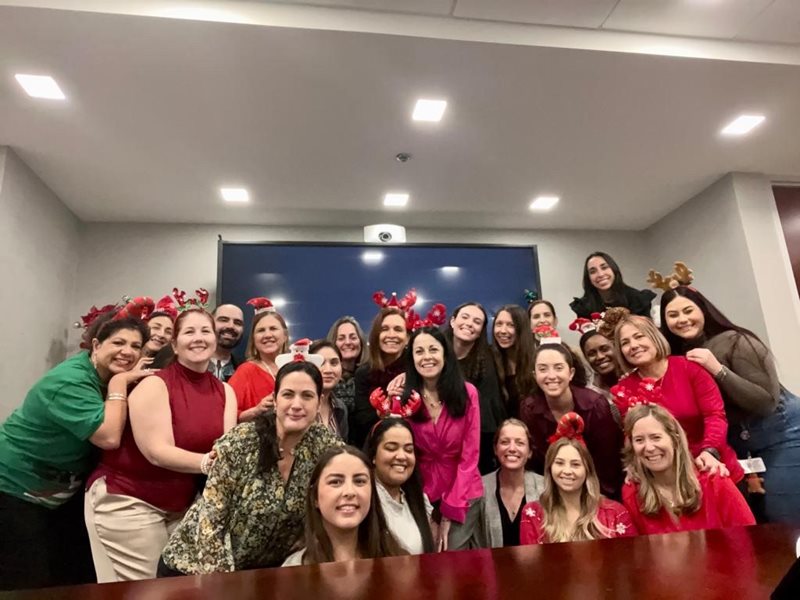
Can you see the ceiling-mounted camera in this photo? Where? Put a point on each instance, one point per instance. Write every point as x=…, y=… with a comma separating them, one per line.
x=402, y=157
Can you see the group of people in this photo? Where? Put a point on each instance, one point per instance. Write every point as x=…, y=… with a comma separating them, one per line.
x=156, y=453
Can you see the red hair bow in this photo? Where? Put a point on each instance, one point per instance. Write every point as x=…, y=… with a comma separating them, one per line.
x=569, y=426
x=139, y=308
x=648, y=392
x=167, y=306
x=393, y=407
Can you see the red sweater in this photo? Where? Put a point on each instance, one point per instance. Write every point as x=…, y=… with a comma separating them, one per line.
x=252, y=384
x=722, y=505
x=693, y=398
x=612, y=515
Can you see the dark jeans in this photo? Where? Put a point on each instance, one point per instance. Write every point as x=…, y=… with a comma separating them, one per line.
x=42, y=547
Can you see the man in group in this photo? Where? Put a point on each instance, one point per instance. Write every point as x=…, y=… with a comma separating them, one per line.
x=229, y=322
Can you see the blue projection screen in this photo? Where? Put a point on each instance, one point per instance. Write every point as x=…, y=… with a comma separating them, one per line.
x=312, y=285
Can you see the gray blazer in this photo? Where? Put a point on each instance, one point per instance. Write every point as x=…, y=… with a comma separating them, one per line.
x=491, y=526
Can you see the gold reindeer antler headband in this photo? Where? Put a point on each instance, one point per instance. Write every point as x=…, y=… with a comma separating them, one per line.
x=682, y=275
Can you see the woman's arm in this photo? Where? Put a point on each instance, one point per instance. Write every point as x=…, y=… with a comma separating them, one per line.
x=151, y=422
x=231, y=408
x=529, y=524
x=109, y=434
x=709, y=403
x=751, y=380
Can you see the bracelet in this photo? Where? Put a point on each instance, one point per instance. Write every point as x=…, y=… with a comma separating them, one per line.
x=723, y=373
x=205, y=463
x=713, y=452
x=116, y=396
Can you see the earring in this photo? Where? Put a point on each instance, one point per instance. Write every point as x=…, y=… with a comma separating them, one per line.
x=94, y=360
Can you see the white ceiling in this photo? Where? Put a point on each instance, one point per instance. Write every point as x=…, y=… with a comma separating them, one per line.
x=161, y=112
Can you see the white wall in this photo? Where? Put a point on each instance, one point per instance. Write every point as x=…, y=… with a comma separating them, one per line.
x=120, y=259
x=730, y=236
x=39, y=239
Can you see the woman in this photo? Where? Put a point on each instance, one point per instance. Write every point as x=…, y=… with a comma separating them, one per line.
x=513, y=349
x=447, y=433
x=140, y=491
x=560, y=390
x=390, y=449
x=467, y=335
x=251, y=512
x=254, y=380
x=332, y=411
x=343, y=520
x=388, y=337
x=598, y=351
x=686, y=390
x=349, y=338
x=571, y=507
x=763, y=417
x=666, y=493
x=603, y=287
x=46, y=451
x=162, y=329
x=509, y=488
x=542, y=312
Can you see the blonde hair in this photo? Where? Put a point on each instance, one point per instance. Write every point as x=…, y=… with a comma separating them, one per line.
x=647, y=327
x=588, y=526
x=687, y=494
x=251, y=353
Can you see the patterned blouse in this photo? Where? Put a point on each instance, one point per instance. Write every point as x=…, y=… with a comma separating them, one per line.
x=244, y=519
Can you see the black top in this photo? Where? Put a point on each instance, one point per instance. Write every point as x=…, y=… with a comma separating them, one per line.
x=636, y=301
x=510, y=528
x=363, y=415
x=490, y=399
x=514, y=399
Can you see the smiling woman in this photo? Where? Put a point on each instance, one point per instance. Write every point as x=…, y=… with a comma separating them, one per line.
x=140, y=491
x=603, y=287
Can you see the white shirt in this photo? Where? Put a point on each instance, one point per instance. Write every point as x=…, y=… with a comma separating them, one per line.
x=400, y=520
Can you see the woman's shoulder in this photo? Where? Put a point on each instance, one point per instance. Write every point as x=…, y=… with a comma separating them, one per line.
x=319, y=438
x=612, y=506
x=472, y=391
x=241, y=438
x=533, y=511
x=630, y=491
x=248, y=367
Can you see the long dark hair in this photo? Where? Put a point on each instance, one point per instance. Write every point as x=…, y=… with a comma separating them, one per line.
x=266, y=424
x=374, y=538
x=617, y=290
x=412, y=488
x=521, y=353
x=715, y=321
x=473, y=365
x=581, y=378
x=451, y=388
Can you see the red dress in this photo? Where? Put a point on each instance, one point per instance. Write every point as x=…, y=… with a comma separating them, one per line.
x=693, y=398
x=722, y=505
x=612, y=515
x=197, y=404
x=251, y=384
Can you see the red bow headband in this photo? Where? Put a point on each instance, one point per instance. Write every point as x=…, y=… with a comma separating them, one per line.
x=200, y=301
x=546, y=334
x=166, y=306
x=393, y=407
x=403, y=303
x=582, y=325
x=437, y=315
x=569, y=426
x=648, y=392
x=138, y=308
x=261, y=304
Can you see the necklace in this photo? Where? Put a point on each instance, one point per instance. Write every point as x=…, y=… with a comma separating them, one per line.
x=266, y=366
x=435, y=402
x=281, y=453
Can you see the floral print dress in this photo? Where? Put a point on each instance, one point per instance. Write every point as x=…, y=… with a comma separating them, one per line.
x=246, y=519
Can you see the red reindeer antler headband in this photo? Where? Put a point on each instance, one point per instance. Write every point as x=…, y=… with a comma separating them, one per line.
x=436, y=316
x=138, y=308
x=199, y=301
x=394, y=407
x=403, y=303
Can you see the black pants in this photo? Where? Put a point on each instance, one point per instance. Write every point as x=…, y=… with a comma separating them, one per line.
x=165, y=571
x=42, y=547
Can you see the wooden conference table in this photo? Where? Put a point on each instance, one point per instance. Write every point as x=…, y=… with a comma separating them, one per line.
x=732, y=564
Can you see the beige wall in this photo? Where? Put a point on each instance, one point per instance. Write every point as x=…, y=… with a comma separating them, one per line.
x=39, y=239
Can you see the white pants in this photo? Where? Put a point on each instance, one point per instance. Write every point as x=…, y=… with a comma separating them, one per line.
x=127, y=535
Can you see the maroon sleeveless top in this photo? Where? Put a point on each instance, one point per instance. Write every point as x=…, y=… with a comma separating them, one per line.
x=197, y=402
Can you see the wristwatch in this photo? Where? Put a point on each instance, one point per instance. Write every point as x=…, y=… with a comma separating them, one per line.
x=713, y=452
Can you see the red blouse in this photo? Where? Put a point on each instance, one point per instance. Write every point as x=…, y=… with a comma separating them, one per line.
x=722, y=505
x=251, y=384
x=612, y=515
x=197, y=404
x=693, y=398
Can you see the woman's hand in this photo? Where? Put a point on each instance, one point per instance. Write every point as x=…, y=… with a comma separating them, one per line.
x=444, y=532
x=707, y=463
x=396, y=386
x=138, y=372
x=706, y=359
x=267, y=403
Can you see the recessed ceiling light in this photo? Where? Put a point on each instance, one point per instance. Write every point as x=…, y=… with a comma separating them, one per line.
x=742, y=124
x=40, y=86
x=395, y=199
x=544, y=203
x=279, y=302
x=450, y=270
x=234, y=194
x=429, y=110
x=372, y=257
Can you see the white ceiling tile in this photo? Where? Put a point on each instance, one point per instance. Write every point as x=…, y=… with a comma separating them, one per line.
x=780, y=23
x=567, y=13
x=696, y=18
x=427, y=7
